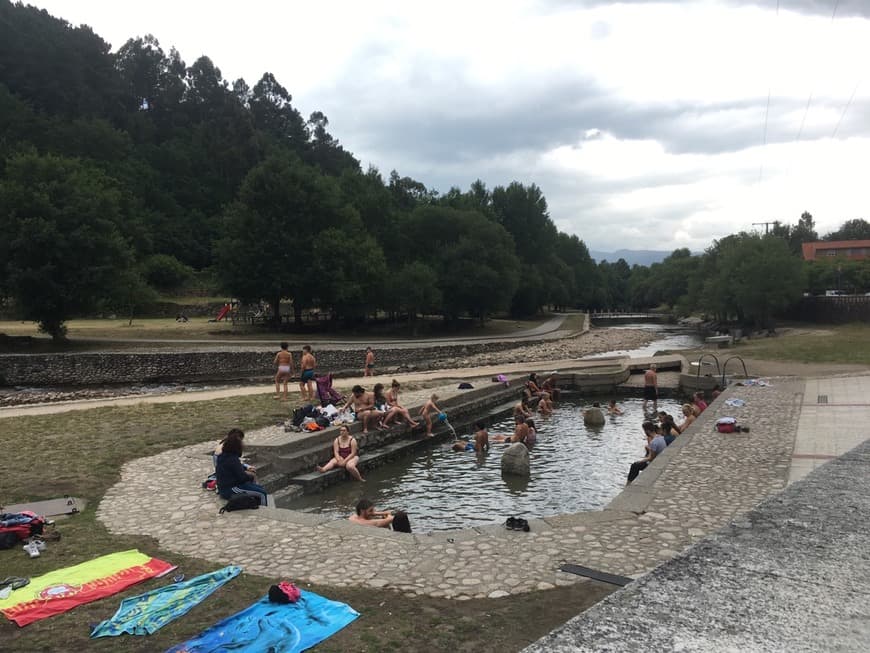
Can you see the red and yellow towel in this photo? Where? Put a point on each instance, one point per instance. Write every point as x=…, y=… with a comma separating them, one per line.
x=64, y=589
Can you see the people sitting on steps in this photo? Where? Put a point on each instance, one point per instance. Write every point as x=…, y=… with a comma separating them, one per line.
x=345, y=453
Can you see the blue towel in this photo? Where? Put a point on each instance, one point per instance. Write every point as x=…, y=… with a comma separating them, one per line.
x=273, y=627
x=147, y=613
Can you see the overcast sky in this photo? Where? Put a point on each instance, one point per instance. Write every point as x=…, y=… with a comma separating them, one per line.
x=643, y=122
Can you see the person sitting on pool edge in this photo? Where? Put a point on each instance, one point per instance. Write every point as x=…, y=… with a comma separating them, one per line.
x=655, y=445
x=345, y=453
x=363, y=407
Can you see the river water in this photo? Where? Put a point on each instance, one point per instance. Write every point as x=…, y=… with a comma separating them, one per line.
x=669, y=337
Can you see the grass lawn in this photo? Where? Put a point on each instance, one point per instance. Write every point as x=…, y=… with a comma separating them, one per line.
x=848, y=343
x=81, y=452
x=199, y=328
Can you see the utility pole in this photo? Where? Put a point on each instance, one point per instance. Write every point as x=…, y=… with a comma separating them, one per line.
x=766, y=226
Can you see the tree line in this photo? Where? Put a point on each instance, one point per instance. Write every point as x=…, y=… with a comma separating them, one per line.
x=122, y=174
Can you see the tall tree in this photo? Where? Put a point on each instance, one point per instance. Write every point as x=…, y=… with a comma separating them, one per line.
x=857, y=229
x=62, y=251
x=283, y=209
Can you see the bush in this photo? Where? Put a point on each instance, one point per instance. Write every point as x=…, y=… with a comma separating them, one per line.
x=165, y=272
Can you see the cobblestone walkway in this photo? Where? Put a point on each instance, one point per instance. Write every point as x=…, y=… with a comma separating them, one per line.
x=701, y=482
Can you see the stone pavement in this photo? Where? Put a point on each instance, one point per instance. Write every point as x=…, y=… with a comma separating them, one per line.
x=835, y=418
x=791, y=575
x=698, y=485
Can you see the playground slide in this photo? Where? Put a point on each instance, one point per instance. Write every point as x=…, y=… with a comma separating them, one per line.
x=223, y=312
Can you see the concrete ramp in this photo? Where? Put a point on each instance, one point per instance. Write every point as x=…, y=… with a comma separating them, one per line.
x=791, y=575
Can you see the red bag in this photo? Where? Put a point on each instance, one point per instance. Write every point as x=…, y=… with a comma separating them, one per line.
x=726, y=428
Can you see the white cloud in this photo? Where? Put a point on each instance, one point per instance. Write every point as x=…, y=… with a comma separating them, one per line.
x=643, y=123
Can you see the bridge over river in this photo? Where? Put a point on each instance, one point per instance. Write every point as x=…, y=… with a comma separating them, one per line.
x=612, y=319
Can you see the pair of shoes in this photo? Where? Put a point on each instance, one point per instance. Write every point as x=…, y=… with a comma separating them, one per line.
x=31, y=549
x=14, y=583
x=38, y=542
x=517, y=524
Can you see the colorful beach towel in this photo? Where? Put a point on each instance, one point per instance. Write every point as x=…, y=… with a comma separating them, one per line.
x=147, y=613
x=273, y=627
x=64, y=589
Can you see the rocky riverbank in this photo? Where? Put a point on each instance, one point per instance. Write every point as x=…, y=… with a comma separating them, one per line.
x=592, y=342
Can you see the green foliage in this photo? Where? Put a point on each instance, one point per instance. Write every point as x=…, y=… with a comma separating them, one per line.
x=165, y=272
x=473, y=257
x=62, y=251
x=754, y=278
x=282, y=234
x=851, y=230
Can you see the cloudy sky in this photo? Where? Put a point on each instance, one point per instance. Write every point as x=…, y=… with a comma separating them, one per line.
x=648, y=125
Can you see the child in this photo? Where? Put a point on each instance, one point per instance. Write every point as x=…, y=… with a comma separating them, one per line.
x=370, y=363
x=426, y=412
x=613, y=409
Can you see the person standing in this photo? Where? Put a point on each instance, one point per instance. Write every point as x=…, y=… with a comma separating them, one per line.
x=370, y=363
x=306, y=379
x=284, y=362
x=651, y=388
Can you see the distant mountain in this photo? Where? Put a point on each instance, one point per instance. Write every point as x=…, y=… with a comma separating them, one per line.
x=631, y=256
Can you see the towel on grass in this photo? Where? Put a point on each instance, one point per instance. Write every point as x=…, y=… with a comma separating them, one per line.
x=147, y=613
x=273, y=627
x=64, y=589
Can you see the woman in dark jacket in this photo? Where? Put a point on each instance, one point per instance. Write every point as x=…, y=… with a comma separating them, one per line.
x=232, y=478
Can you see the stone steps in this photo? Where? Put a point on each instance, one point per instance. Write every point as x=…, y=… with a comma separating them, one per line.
x=314, y=481
x=291, y=461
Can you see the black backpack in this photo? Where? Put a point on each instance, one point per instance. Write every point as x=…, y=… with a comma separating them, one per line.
x=241, y=502
x=300, y=414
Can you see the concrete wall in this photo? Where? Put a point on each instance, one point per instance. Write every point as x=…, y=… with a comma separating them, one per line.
x=83, y=369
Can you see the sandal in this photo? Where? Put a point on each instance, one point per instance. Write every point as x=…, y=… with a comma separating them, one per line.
x=14, y=582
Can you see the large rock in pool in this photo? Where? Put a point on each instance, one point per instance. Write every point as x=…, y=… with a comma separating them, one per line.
x=593, y=417
x=515, y=460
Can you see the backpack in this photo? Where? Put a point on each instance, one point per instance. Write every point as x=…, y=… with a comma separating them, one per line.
x=29, y=524
x=300, y=414
x=241, y=502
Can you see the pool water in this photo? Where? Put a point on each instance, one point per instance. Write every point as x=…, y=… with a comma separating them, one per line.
x=573, y=468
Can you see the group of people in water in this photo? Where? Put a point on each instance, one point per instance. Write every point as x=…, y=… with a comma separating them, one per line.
x=382, y=409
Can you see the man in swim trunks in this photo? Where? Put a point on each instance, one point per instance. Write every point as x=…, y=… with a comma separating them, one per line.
x=363, y=406
x=366, y=515
x=651, y=388
x=306, y=381
x=284, y=362
x=370, y=363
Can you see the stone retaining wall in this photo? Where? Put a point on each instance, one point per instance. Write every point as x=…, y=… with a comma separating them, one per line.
x=83, y=369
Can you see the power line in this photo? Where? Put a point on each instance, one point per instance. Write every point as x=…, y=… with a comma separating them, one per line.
x=766, y=113
x=845, y=109
x=810, y=98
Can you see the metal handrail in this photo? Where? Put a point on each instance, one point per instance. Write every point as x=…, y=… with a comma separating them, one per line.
x=725, y=365
x=701, y=358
